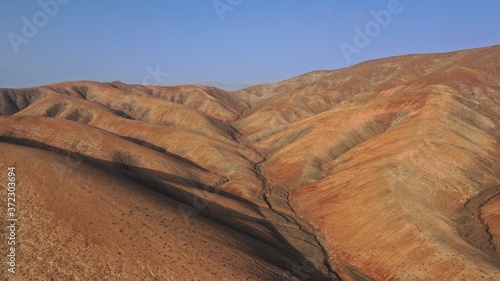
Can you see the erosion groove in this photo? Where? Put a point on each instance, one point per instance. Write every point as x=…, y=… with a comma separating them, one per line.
x=277, y=202
x=474, y=224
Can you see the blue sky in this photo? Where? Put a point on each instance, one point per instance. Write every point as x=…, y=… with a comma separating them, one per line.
x=228, y=43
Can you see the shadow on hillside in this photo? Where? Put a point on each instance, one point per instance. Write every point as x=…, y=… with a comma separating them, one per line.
x=270, y=245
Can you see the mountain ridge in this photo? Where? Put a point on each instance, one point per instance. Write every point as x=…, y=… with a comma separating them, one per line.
x=388, y=169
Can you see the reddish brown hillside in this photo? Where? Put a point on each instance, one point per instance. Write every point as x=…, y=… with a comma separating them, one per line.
x=384, y=159
x=386, y=170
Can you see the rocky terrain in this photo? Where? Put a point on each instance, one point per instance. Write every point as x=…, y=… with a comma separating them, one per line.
x=386, y=170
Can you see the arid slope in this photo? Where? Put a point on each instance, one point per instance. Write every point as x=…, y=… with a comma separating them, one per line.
x=386, y=170
x=384, y=159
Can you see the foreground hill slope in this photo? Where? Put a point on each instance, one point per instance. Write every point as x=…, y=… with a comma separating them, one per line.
x=91, y=222
x=386, y=170
x=71, y=135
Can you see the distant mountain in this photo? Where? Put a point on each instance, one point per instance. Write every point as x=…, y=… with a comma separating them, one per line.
x=386, y=170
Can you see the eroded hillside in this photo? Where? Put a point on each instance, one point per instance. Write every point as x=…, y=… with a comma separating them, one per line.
x=387, y=170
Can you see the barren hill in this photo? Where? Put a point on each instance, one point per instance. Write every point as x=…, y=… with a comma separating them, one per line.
x=386, y=170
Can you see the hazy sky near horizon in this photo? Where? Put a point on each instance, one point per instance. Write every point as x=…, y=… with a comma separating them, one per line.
x=227, y=43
